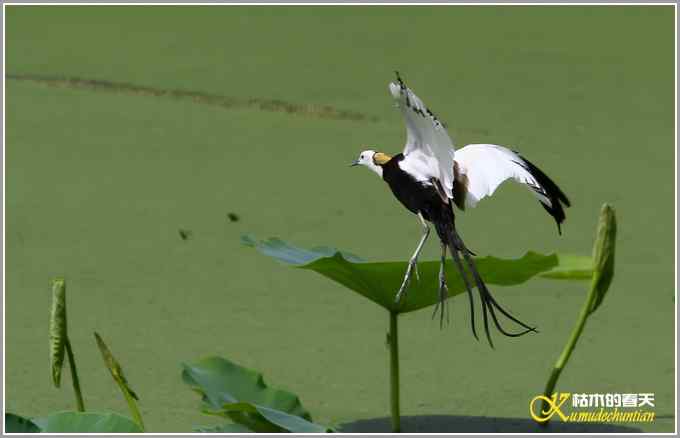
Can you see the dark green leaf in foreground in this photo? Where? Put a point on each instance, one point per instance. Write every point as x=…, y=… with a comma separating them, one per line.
x=57, y=330
x=241, y=395
x=17, y=424
x=262, y=419
x=223, y=428
x=87, y=422
x=379, y=281
x=221, y=381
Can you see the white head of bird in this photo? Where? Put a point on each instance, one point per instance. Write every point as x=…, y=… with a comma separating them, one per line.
x=373, y=160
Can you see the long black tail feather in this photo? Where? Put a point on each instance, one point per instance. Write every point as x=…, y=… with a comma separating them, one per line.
x=493, y=304
x=489, y=304
x=456, y=259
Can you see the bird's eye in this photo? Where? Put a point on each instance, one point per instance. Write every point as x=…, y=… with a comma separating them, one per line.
x=361, y=157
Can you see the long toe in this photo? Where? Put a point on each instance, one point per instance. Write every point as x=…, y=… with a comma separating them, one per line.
x=402, y=291
x=407, y=279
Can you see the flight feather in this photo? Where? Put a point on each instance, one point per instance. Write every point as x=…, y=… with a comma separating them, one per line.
x=429, y=149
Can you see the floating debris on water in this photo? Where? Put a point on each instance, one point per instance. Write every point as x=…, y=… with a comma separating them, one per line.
x=185, y=234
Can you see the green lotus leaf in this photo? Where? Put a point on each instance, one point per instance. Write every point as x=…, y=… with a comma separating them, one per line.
x=240, y=394
x=266, y=420
x=223, y=428
x=17, y=424
x=87, y=422
x=379, y=281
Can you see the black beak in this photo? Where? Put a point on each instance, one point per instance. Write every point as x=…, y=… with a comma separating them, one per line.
x=354, y=163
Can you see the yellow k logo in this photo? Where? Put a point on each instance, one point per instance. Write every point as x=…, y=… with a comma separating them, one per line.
x=549, y=406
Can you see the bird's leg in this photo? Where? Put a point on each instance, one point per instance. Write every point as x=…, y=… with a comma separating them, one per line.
x=443, y=291
x=413, y=262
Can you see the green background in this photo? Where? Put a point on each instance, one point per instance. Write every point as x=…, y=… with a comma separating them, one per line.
x=98, y=184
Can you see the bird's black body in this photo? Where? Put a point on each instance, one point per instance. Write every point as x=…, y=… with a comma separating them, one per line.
x=424, y=198
x=419, y=197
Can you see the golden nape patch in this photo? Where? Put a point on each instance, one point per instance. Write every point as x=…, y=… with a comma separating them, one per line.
x=380, y=158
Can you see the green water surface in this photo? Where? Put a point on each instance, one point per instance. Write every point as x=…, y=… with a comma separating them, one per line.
x=98, y=183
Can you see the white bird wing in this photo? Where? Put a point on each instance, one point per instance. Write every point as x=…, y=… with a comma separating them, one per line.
x=481, y=168
x=428, y=145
